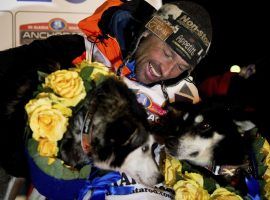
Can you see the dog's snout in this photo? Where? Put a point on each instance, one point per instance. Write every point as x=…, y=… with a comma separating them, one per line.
x=160, y=178
x=154, y=146
x=171, y=142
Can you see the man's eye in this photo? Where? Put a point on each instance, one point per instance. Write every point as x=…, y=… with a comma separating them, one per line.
x=168, y=54
x=181, y=68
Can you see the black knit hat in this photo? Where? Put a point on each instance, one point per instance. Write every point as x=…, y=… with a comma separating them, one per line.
x=186, y=27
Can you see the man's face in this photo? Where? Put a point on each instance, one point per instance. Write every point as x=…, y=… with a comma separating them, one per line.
x=156, y=61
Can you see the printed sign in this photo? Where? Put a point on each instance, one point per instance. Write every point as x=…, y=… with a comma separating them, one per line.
x=30, y=26
x=6, y=33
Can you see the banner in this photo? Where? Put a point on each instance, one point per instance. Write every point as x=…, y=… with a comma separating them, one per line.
x=23, y=21
x=40, y=25
x=6, y=33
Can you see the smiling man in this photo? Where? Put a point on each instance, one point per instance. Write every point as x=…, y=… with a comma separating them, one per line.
x=172, y=42
x=156, y=61
x=130, y=37
x=156, y=49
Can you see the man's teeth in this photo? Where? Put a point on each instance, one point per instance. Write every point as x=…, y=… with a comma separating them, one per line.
x=154, y=71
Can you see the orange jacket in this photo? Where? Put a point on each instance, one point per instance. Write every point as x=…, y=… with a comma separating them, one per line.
x=107, y=45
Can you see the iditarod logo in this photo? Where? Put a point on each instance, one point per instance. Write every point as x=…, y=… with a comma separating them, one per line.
x=57, y=24
x=153, y=109
x=144, y=100
x=43, y=30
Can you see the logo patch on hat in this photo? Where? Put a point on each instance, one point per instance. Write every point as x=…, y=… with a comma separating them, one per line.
x=182, y=32
x=159, y=28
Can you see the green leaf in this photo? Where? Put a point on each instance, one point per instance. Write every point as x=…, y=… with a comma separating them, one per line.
x=209, y=184
x=261, y=169
x=85, y=171
x=86, y=72
x=83, y=64
x=262, y=185
x=100, y=78
x=259, y=157
x=69, y=174
x=32, y=147
x=258, y=144
x=41, y=76
x=185, y=166
x=178, y=177
x=88, y=85
x=56, y=169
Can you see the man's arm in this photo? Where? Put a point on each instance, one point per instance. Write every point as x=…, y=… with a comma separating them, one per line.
x=59, y=50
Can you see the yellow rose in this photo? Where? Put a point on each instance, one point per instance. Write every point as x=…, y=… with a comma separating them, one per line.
x=33, y=104
x=224, y=194
x=58, y=103
x=266, y=175
x=47, y=100
x=51, y=161
x=99, y=69
x=195, y=177
x=172, y=167
x=189, y=190
x=63, y=101
x=66, y=84
x=266, y=148
x=267, y=160
x=267, y=190
x=48, y=123
x=47, y=148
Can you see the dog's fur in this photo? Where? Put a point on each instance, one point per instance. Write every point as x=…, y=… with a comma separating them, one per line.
x=120, y=138
x=118, y=132
x=204, y=133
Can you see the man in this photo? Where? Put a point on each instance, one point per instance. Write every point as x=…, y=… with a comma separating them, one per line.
x=170, y=44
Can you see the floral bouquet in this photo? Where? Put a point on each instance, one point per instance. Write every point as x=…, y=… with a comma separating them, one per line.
x=190, y=183
x=59, y=95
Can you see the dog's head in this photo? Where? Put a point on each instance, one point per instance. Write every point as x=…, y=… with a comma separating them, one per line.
x=204, y=133
x=116, y=132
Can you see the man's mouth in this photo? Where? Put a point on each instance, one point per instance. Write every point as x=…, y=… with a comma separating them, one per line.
x=152, y=71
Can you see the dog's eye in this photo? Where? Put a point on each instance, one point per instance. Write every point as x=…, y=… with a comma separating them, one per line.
x=194, y=154
x=204, y=126
x=145, y=148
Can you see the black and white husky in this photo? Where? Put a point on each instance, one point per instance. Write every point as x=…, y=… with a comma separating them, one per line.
x=113, y=130
x=205, y=133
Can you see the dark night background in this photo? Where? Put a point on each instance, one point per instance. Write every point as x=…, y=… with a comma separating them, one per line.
x=240, y=35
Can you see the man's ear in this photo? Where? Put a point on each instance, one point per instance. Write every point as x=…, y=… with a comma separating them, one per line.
x=86, y=143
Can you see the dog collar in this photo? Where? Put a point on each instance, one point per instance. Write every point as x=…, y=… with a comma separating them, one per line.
x=87, y=132
x=228, y=170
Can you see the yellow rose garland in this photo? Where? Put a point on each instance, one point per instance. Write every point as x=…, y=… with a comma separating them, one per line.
x=49, y=112
x=191, y=185
x=266, y=151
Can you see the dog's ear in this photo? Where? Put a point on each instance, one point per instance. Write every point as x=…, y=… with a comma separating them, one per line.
x=125, y=130
x=244, y=126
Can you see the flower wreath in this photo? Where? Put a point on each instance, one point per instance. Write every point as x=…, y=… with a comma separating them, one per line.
x=189, y=183
x=59, y=95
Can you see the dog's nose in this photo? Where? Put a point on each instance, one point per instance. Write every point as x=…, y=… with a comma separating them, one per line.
x=160, y=178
